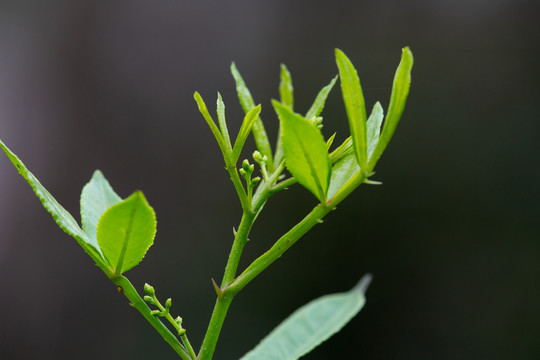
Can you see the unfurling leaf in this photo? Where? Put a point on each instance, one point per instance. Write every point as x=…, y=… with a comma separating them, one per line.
x=125, y=232
x=245, y=129
x=286, y=90
x=305, y=151
x=355, y=106
x=311, y=325
x=318, y=105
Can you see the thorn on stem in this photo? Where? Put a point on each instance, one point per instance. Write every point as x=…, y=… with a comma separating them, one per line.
x=219, y=292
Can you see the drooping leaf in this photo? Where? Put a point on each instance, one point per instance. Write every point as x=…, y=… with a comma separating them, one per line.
x=258, y=131
x=374, y=127
x=245, y=129
x=355, y=106
x=305, y=151
x=222, y=122
x=286, y=89
x=125, y=232
x=400, y=92
x=63, y=218
x=96, y=197
x=310, y=325
x=318, y=105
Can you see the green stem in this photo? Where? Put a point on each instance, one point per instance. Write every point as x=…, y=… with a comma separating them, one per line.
x=238, y=246
x=293, y=235
x=214, y=328
x=138, y=303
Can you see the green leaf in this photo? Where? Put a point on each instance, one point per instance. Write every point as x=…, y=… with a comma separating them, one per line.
x=345, y=161
x=259, y=133
x=286, y=87
x=217, y=134
x=374, y=127
x=400, y=92
x=355, y=106
x=222, y=122
x=96, y=197
x=305, y=151
x=311, y=325
x=245, y=129
x=318, y=105
x=63, y=218
x=342, y=171
x=125, y=232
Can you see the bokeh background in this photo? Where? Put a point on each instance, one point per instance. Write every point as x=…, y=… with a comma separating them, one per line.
x=452, y=237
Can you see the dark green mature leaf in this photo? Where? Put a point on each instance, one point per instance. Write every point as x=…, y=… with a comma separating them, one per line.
x=286, y=90
x=400, y=92
x=355, y=106
x=59, y=214
x=96, y=197
x=125, y=232
x=310, y=325
x=245, y=129
x=318, y=105
x=305, y=151
x=259, y=133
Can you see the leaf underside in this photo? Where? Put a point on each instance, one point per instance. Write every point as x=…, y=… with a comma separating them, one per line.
x=310, y=325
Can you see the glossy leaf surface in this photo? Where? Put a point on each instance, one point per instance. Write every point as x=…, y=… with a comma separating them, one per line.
x=305, y=151
x=310, y=325
x=125, y=232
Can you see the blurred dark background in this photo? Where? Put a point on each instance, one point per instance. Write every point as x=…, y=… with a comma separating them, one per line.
x=452, y=236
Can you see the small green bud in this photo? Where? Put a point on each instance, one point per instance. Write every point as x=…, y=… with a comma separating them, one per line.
x=248, y=168
x=257, y=156
x=242, y=172
x=149, y=289
x=149, y=299
x=178, y=321
x=255, y=181
x=181, y=332
x=156, y=313
x=168, y=304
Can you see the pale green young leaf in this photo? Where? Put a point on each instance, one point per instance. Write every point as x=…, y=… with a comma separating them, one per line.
x=374, y=127
x=125, y=232
x=286, y=90
x=311, y=325
x=245, y=129
x=400, y=92
x=354, y=105
x=217, y=134
x=96, y=197
x=60, y=215
x=345, y=165
x=330, y=141
x=259, y=133
x=318, y=105
x=222, y=123
x=342, y=171
x=305, y=151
